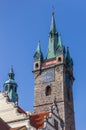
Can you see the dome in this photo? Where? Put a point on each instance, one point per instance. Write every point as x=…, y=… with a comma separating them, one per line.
x=10, y=81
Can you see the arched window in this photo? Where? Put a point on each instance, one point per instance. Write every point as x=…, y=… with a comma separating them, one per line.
x=48, y=91
x=36, y=65
x=59, y=59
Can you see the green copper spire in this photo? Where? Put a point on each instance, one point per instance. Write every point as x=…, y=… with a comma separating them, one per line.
x=59, y=41
x=53, y=25
x=68, y=54
x=38, y=55
x=69, y=60
x=60, y=48
x=53, y=39
x=38, y=48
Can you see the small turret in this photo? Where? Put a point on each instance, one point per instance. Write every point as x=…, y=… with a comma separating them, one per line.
x=11, y=73
x=38, y=54
x=10, y=86
x=60, y=48
x=38, y=57
x=69, y=60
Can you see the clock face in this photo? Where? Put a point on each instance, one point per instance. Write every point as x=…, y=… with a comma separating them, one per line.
x=48, y=75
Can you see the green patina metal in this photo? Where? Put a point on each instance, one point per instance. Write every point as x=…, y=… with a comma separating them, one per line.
x=60, y=48
x=10, y=86
x=53, y=25
x=53, y=39
x=38, y=54
x=69, y=60
x=59, y=41
x=55, y=46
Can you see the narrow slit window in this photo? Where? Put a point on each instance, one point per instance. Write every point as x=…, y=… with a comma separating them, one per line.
x=59, y=59
x=48, y=91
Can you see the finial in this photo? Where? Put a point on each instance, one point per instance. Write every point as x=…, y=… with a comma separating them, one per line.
x=11, y=73
x=52, y=10
x=39, y=41
x=11, y=69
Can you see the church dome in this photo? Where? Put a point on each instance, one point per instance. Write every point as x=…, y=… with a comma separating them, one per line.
x=10, y=86
x=11, y=77
x=10, y=81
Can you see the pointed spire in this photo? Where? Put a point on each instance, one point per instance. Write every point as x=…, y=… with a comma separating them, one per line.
x=69, y=60
x=59, y=41
x=38, y=55
x=68, y=54
x=11, y=73
x=60, y=49
x=53, y=39
x=38, y=47
x=53, y=25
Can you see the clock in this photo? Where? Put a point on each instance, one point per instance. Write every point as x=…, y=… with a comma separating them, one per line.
x=48, y=75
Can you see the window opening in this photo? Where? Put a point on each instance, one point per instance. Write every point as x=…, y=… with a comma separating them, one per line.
x=48, y=91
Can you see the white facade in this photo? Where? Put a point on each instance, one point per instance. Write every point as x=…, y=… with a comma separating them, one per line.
x=9, y=112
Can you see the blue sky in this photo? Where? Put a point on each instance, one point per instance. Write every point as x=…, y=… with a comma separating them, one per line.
x=22, y=24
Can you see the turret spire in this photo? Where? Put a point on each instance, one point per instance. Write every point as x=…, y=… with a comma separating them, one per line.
x=38, y=54
x=60, y=48
x=11, y=73
x=38, y=47
x=69, y=60
x=59, y=41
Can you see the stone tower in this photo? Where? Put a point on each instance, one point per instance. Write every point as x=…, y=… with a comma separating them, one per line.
x=54, y=78
x=10, y=87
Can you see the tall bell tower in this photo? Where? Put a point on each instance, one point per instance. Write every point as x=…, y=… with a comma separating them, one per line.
x=54, y=78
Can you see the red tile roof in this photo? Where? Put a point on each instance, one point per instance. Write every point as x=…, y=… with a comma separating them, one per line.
x=37, y=120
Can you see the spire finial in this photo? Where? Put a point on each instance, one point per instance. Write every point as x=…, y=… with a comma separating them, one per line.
x=52, y=10
x=53, y=25
x=11, y=69
x=11, y=73
x=38, y=47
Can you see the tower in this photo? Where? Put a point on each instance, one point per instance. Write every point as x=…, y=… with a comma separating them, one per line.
x=54, y=78
x=10, y=87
